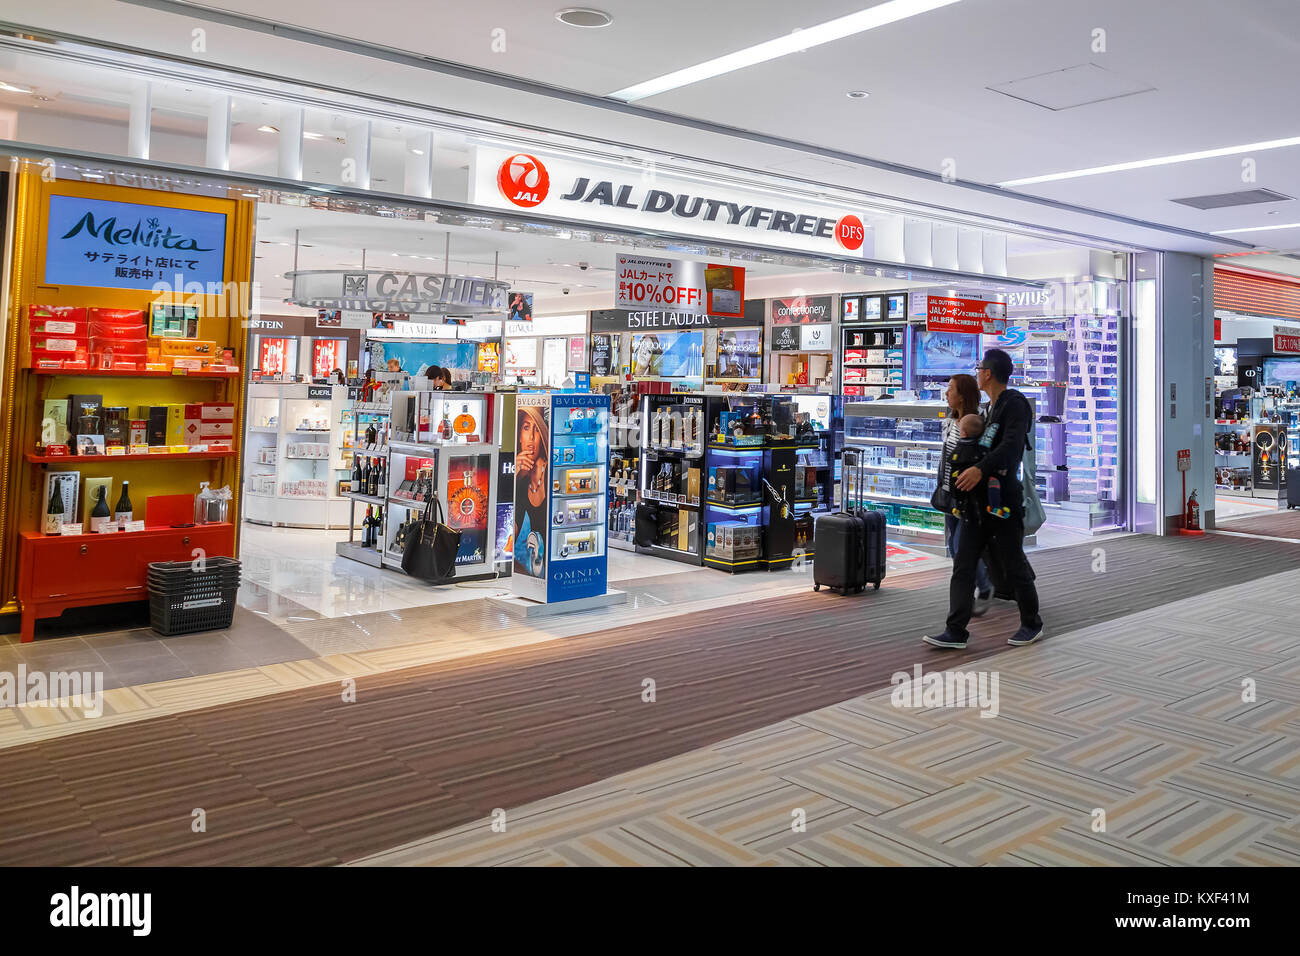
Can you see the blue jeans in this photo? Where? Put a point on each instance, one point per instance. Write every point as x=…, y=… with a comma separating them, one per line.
x=952, y=534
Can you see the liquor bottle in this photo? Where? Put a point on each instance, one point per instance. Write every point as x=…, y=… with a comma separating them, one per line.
x=444, y=426
x=100, y=515
x=356, y=473
x=381, y=488
x=373, y=487
x=365, y=478
x=122, y=513
x=366, y=523
x=54, y=511
x=372, y=436
x=465, y=423
x=377, y=536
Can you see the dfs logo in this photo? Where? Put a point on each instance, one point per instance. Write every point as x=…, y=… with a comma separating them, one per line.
x=523, y=180
x=850, y=233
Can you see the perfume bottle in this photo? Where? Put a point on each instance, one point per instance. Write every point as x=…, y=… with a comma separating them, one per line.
x=445, y=427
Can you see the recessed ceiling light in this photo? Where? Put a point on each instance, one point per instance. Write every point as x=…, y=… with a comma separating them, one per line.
x=1157, y=161
x=880, y=15
x=417, y=152
x=307, y=135
x=11, y=88
x=266, y=128
x=584, y=17
x=857, y=94
x=92, y=175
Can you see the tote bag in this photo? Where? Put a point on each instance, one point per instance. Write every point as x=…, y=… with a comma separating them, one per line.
x=430, y=552
x=1035, y=515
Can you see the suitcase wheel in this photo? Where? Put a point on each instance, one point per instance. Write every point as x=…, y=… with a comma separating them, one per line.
x=817, y=587
x=877, y=586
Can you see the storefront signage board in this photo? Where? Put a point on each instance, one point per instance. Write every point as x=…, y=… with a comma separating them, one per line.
x=398, y=292
x=815, y=338
x=785, y=338
x=646, y=198
x=802, y=310
x=683, y=285
x=640, y=320
x=970, y=316
x=119, y=245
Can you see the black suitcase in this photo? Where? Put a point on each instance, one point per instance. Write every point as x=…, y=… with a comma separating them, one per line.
x=849, y=547
x=1292, y=488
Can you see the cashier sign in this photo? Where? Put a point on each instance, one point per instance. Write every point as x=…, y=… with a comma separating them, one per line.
x=946, y=314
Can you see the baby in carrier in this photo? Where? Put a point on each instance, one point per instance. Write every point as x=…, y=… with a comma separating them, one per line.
x=968, y=505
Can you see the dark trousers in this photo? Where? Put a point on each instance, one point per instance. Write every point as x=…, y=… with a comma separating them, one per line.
x=1005, y=538
x=952, y=528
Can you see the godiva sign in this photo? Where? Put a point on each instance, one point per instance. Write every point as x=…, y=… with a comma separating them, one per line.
x=409, y=292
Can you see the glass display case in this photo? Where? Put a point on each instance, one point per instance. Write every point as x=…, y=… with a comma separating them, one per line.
x=560, y=496
x=872, y=360
x=429, y=417
x=624, y=468
x=751, y=500
x=901, y=444
x=296, y=472
x=672, y=458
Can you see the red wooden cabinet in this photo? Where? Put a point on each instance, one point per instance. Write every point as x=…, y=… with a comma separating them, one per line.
x=57, y=572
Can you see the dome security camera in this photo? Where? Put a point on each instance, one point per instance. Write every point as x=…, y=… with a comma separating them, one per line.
x=565, y=291
x=584, y=266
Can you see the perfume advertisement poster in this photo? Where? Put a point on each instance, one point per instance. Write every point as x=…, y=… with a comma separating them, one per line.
x=469, y=479
x=668, y=354
x=532, y=489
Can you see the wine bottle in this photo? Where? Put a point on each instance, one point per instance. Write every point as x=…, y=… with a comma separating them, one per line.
x=374, y=479
x=372, y=436
x=122, y=513
x=365, y=526
x=356, y=473
x=54, y=511
x=100, y=515
x=382, y=490
x=365, y=478
x=377, y=537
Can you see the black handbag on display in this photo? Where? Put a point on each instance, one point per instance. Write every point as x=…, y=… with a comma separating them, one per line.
x=431, y=546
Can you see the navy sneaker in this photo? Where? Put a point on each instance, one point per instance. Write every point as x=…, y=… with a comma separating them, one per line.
x=1026, y=635
x=982, y=602
x=945, y=640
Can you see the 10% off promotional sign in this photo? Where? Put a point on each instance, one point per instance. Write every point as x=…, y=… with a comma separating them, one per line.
x=673, y=284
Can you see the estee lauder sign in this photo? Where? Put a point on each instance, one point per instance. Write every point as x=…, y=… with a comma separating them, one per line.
x=624, y=320
x=409, y=292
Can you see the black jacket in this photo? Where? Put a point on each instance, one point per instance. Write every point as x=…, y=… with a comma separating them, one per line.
x=1008, y=425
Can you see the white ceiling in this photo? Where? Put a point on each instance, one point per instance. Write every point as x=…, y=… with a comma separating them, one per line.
x=1218, y=74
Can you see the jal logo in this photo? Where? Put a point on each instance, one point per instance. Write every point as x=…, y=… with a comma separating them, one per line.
x=523, y=180
x=850, y=233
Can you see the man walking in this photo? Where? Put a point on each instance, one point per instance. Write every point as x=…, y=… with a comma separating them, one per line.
x=1008, y=426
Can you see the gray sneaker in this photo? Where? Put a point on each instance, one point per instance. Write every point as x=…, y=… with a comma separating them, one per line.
x=981, y=606
x=1026, y=635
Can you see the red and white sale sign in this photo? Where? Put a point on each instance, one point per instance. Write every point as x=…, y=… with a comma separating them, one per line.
x=971, y=316
x=1286, y=338
x=672, y=284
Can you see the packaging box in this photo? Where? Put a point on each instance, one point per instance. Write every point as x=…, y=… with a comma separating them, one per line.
x=85, y=414
x=217, y=411
x=693, y=485
x=138, y=433
x=175, y=425
x=187, y=348
x=685, y=529
x=193, y=422
x=54, y=422
x=69, y=485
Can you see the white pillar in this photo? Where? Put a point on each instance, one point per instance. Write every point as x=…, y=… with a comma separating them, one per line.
x=137, y=130
x=419, y=165
x=359, y=152
x=291, y=142
x=218, y=143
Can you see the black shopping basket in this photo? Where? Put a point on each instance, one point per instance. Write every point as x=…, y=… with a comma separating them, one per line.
x=185, y=596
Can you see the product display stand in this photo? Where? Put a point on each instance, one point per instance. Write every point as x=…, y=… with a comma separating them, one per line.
x=624, y=470
x=901, y=444
x=672, y=461
x=561, y=454
x=295, y=460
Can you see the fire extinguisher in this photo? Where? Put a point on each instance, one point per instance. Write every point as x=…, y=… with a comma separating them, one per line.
x=1193, y=522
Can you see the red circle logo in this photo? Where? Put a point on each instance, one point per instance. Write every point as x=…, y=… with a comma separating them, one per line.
x=523, y=180
x=850, y=233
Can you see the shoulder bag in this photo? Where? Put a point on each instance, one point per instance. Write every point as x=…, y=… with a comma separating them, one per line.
x=431, y=546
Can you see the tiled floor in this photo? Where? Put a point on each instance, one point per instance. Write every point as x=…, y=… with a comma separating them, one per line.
x=1129, y=743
